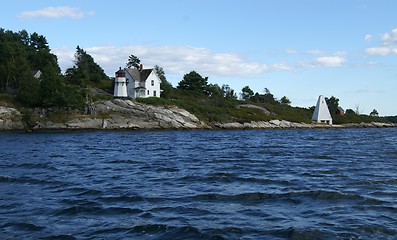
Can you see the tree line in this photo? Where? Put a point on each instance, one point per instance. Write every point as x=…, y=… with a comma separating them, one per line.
x=23, y=54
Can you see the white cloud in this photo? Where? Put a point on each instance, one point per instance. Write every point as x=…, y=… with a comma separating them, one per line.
x=390, y=38
x=368, y=38
x=389, y=45
x=340, y=53
x=55, y=12
x=316, y=52
x=291, y=51
x=334, y=61
x=179, y=60
x=174, y=59
x=382, y=51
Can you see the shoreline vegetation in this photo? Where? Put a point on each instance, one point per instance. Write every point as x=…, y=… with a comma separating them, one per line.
x=36, y=96
x=119, y=114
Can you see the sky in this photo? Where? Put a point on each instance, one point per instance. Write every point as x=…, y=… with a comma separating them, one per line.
x=298, y=49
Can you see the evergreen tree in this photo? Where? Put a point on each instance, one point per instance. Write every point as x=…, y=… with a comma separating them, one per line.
x=228, y=92
x=165, y=86
x=214, y=91
x=333, y=104
x=194, y=82
x=285, y=101
x=374, y=113
x=85, y=69
x=133, y=61
x=246, y=93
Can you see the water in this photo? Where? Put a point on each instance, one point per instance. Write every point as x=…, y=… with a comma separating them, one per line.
x=282, y=184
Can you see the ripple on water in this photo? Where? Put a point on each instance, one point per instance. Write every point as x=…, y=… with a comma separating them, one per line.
x=295, y=184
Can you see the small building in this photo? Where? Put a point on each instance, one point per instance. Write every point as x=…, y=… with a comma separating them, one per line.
x=141, y=83
x=120, y=85
x=137, y=83
x=321, y=113
x=340, y=111
x=37, y=74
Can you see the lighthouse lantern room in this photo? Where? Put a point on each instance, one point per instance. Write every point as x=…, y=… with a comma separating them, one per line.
x=120, y=84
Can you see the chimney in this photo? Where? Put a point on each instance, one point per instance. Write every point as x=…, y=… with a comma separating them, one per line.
x=140, y=67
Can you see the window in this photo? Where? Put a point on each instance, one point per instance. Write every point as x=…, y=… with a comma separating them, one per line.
x=152, y=82
x=148, y=92
x=154, y=93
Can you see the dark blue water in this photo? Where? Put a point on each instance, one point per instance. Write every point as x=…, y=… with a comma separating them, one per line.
x=282, y=184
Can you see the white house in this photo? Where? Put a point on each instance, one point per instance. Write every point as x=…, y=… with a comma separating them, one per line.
x=139, y=82
x=321, y=113
x=142, y=82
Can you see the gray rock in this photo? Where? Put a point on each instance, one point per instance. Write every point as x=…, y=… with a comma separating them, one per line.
x=129, y=114
x=10, y=119
x=84, y=123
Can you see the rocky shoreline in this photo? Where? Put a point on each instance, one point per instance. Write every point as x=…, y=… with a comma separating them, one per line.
x=120, y=114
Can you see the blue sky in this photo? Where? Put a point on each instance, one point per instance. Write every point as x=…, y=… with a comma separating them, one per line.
x=299, y=49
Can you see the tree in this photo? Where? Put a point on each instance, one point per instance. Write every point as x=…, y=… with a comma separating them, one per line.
x=165, y=86
x=228, y=92
x=333, y=104
x=358, y=110
x=246, y=93
x=85, y=69
x=268, y=97
x=29, y=92
x=133, y=61
x=193, y=82
x=56, y=92
x=213, y=90
x=374, y=113
x=285, y=101
x=350, y=111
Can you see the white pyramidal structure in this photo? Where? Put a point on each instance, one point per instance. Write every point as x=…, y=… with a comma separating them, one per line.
x=120, y=85
x=321, y=113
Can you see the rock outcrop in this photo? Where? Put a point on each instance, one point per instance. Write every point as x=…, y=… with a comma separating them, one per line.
x=126, y=114
x=10, y=119
x=272, y=124
x=129, y=114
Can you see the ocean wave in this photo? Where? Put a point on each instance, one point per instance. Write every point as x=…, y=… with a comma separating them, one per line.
x=28, y=180
x=255, y=196
x=95, y=210
x=59, y=237
x=127, y=161
x=165, y=232
x=37, y=166
x=298, y=233
x=22, y=226
x=230, y=177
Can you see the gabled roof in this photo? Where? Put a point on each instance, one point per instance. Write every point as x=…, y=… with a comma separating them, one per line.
x=134, y=73
x=37, y=74
x=139, y=75
x=145, y=74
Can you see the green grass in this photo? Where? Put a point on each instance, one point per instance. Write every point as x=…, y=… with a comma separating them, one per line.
x=8, y=100
x=227, y=110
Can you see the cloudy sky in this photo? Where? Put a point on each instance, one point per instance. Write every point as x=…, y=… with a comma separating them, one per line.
x=299, y=49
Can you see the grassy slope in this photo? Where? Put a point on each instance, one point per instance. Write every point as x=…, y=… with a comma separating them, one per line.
x=223, y=110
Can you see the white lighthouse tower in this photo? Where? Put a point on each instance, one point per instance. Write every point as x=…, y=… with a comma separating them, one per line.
x=120, y=85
